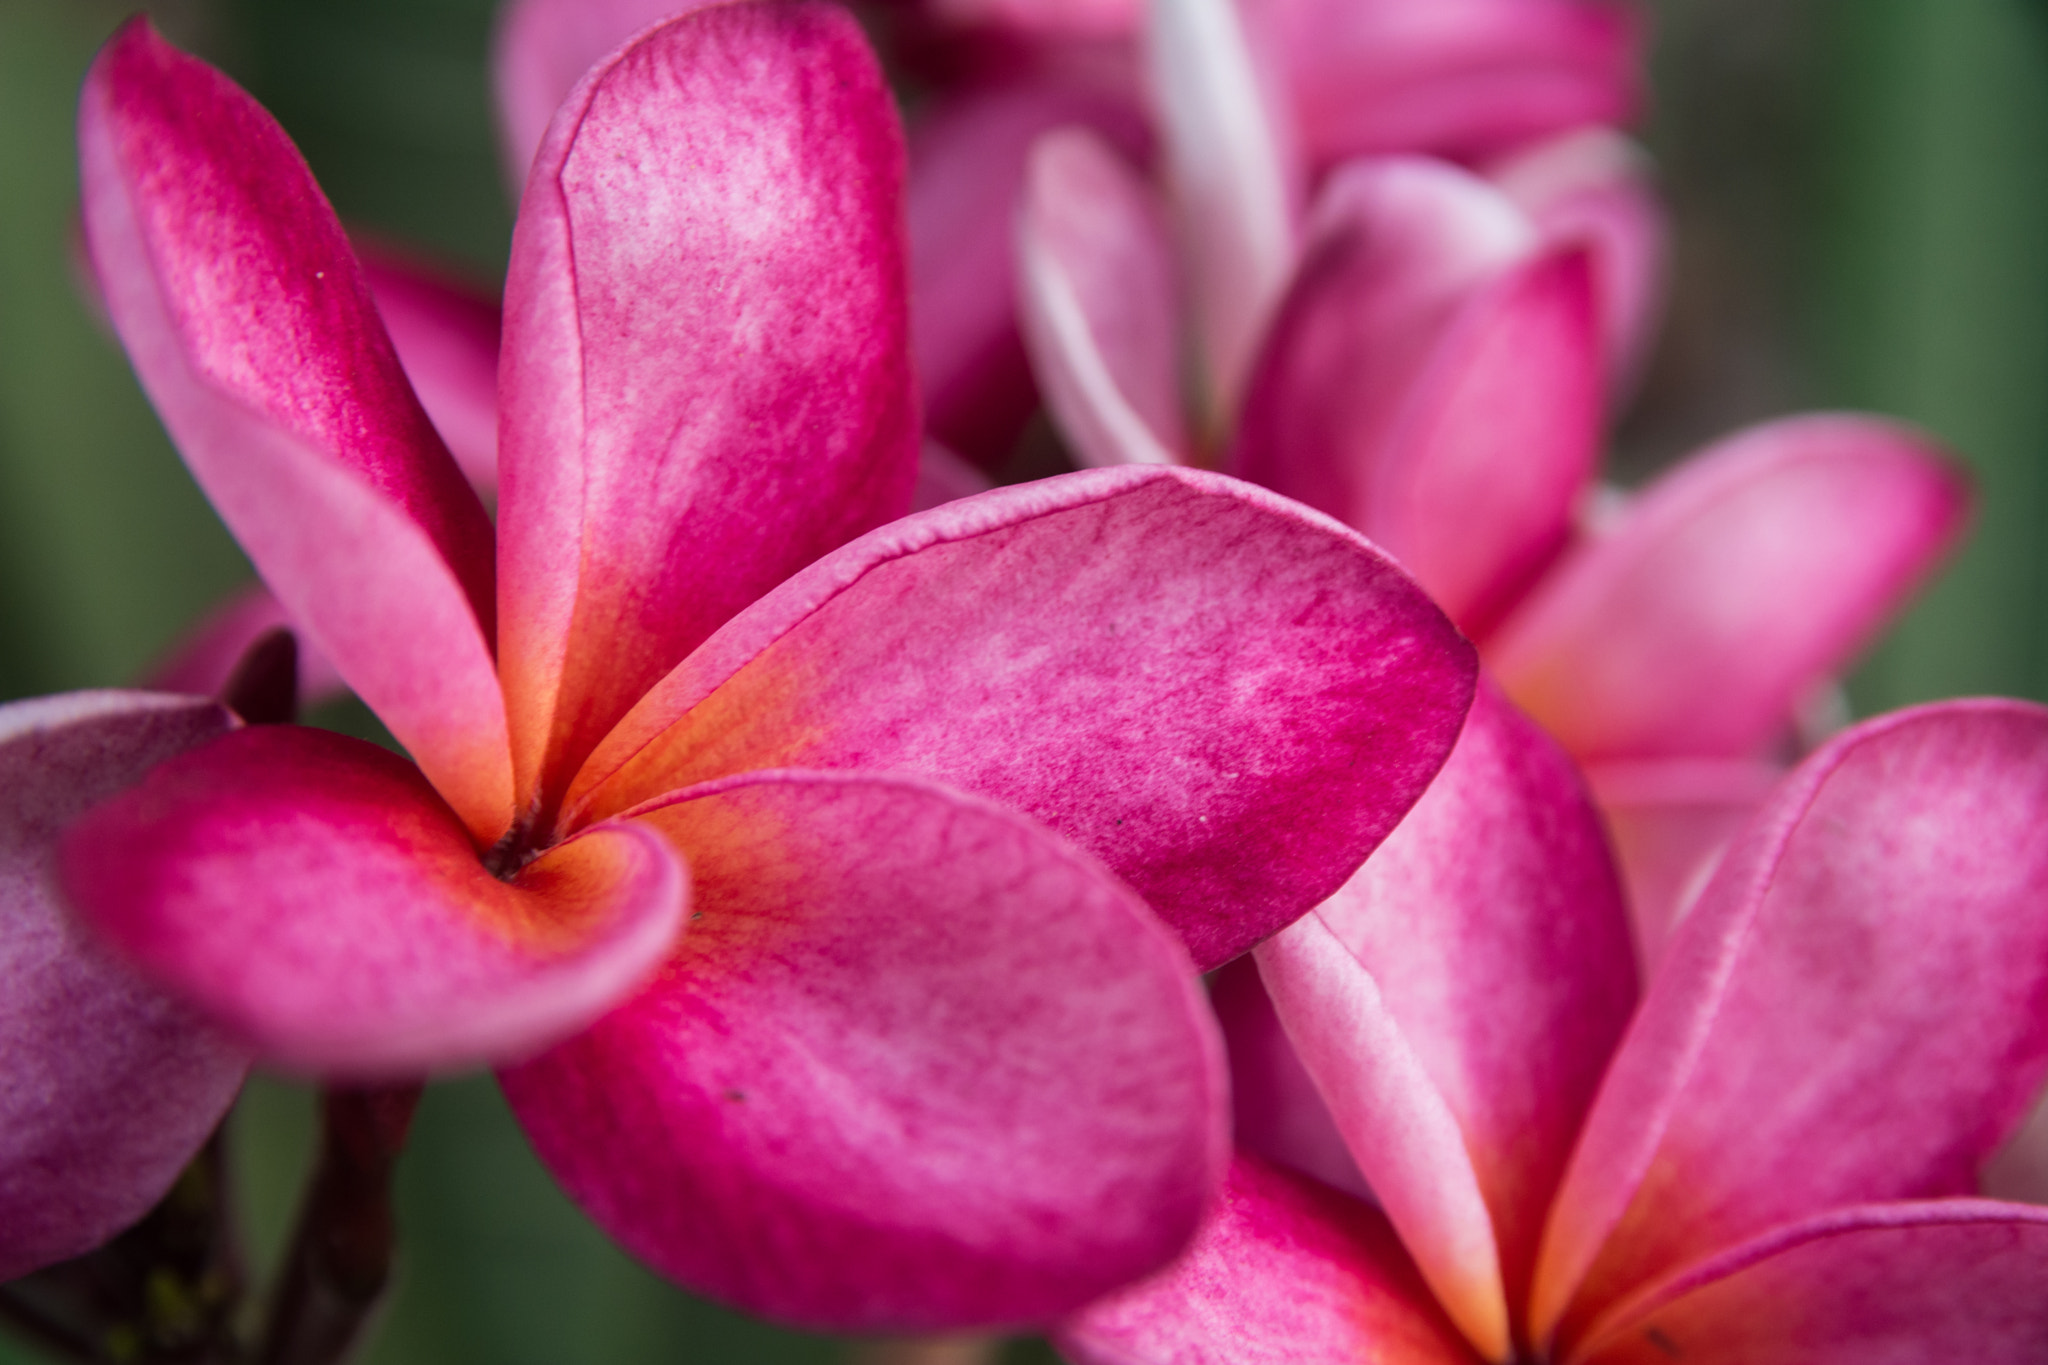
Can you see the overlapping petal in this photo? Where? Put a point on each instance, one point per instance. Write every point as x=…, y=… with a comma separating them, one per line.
x=323, y=902
x=1285, y=1272
x=446, y=335
x=1458, y=1007
x=877, y=967
x=107, y=1086
x=204, y=660
x=1731, y=589
x=1096, y=296
x=1957, y=1279
x=1227, y=699
x=706, y=379
x=1852, y=1012
x=253, y=330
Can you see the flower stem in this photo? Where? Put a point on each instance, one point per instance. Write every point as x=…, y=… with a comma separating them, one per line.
x=340, y=1257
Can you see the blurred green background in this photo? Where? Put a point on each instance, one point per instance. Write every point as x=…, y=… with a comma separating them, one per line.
x=1861, y=194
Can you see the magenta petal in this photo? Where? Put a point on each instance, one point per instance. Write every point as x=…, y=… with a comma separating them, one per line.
x=203, y=662
x=1096, y=294
x=1961, y=1280
x=1284, y=1272
x=107, y=1086
x=707, y=377
x=1457, y=1003
x=1461, y=78
x=1856, y=1009
x=1730, y=589
x=316, y=895
x=1226, y=698
x=446, y=336
x=967, y=161
x=918, y=1064
x=253, y=330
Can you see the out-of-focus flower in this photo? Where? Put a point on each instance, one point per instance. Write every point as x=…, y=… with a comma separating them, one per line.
x=1764, y=1162
x=107, y=1084
x=919, y=1060
x=1428, y=359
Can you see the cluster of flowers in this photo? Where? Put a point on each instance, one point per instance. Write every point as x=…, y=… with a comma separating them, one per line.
x=826, y=847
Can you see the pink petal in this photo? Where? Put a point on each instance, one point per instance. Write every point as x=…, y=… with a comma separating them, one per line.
x=253, y=330
x=1856, y=1009
x=446, y=336
x=315, y=895
x=1593, y=186
x=1961, y=1279
x=1053, y=18
x=1230, y=161
x=1285, y=1272
x=944, y=477
x=1459, y=78
x=541, y=50
x=107, y=1087
x=919, y=1064
x=967, y=172
x=1730, y=589
x=707, y=378
x=1227, y=699
x=1457, y=1003
x=203, y=662
x=1096, y=295
x=1669, y=819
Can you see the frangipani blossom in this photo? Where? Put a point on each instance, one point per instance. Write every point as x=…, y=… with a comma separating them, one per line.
x=1430, y=363
x=1768, y=1160
x=791, y=856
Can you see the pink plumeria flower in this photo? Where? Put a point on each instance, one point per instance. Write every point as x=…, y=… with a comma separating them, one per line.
x=788, y=858
x=1429, y=359
x=1766, y=1160
x=107, y=1084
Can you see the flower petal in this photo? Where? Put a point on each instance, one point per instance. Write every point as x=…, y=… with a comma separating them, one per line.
x=1457, y=1003
x=918, y=1064
x=107, y=1086
x=1731, y=589
x=1225, y=697
x=204, y=661
x=944, y=477
x=1284, y=1272
x=707, y=377
x=1856, y=1009
x=1230, y=162
x=253, y=330
x=446, y=336
x=967, y=174
x=1457, y=78
x=1096, y=296
x=315, y=895
x=1961, y=1279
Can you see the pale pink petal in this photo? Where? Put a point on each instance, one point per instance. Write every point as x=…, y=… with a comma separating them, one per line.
x=1593, y=186
x=707, y=376
x=1285, y=1272
x=446, y=336
x=944, y=477
x=1096, y=298
x=1276, y=1113
x=1730, y=589
x=316, y=896
x=1458, y=78
x=1887, y=1284
x=1236, y=189
x=107, y=1086
x=203, y=662
x=253, y=330
x=919, y=1064
x=1396, y=248
x=1856, y=1008
x=1457, y=1003
x=967, y=161
x=1225, y=697
x=541, y=50
x=1669, y=819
